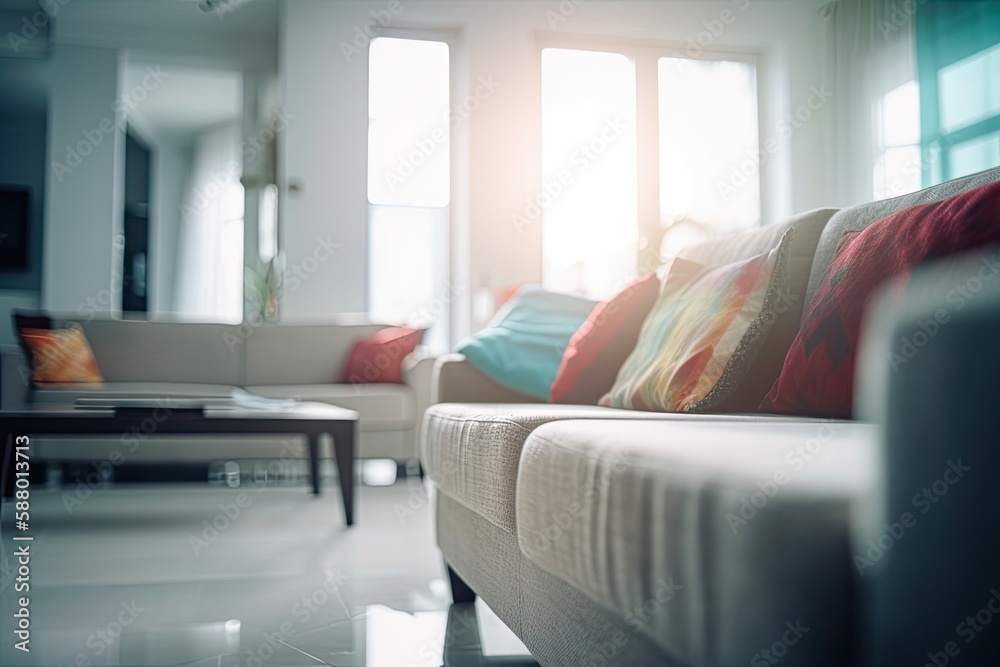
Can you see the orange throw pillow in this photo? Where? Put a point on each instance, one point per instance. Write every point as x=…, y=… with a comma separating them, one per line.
x=61, y=356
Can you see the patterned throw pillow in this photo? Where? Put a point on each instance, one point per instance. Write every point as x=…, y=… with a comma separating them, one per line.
x=60, y=356
x=818, y=375
x=704, y=332
x=602, y=344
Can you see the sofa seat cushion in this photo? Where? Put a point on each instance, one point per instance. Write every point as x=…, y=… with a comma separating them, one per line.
x=70, y=392
x=704, y=536
x=383, y=407
x=471, y=451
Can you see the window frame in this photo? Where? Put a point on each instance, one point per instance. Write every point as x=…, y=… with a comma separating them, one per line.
x=646, y=54
x=458, y=270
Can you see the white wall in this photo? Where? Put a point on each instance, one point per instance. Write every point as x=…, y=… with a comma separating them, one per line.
x=324, y=150
x=83, y=205
x=170, y=172
x=324, y=147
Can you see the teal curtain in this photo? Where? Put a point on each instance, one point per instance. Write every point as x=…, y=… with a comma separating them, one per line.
x=958, y=68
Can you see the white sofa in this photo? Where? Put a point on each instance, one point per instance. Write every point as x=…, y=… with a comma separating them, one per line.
x=615, y=537
x=303, y=361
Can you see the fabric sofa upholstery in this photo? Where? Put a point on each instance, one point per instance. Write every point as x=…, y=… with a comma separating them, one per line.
x=571, y=520
x=179, y=352
x=660, y=508
x=477, y=448
x=300, y=354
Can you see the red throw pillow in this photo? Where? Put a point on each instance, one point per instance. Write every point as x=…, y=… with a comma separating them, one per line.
x=818, y=375
x=600, y=346
x=379, y=358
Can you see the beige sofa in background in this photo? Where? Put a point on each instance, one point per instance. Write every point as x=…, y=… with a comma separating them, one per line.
x=303, y=361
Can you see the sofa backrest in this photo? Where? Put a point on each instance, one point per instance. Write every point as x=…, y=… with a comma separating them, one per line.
x=859, y=217
x=286, y=354
x=229, y=354
x=141, y=351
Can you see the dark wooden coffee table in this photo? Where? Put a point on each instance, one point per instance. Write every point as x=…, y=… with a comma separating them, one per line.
x=309, y=419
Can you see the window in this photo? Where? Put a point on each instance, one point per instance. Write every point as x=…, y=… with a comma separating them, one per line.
x=969, y=102
x=708, y=129
x=897, y=159
x=958, y=67
x=409, y=184
x=701, y=128
x=588, y=196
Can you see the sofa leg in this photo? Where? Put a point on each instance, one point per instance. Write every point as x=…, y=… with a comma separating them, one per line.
x=460, y=591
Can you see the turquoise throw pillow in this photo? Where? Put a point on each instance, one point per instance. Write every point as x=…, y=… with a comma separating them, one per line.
x=524, y=346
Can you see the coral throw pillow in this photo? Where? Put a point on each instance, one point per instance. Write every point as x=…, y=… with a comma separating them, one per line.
x=379, y=358
x=699, y=341
x=60, y=356
x=818, y=375
x=601, y=345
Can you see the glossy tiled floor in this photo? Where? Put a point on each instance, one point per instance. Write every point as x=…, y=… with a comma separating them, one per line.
x=138, y=576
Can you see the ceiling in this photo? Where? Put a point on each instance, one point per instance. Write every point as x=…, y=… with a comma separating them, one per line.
x=245, y=37
x=168, y=109
x=204, y=52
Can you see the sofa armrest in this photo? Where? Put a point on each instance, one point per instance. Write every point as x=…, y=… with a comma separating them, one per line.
x=418, y=373
x=15, y=377
x=458, y=381
x=927, y=550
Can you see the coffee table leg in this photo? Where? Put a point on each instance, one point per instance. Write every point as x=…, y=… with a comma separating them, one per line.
x=343, y=449
x=314, y=462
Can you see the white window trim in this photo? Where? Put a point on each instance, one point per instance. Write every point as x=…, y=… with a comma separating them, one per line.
x=646, y=55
